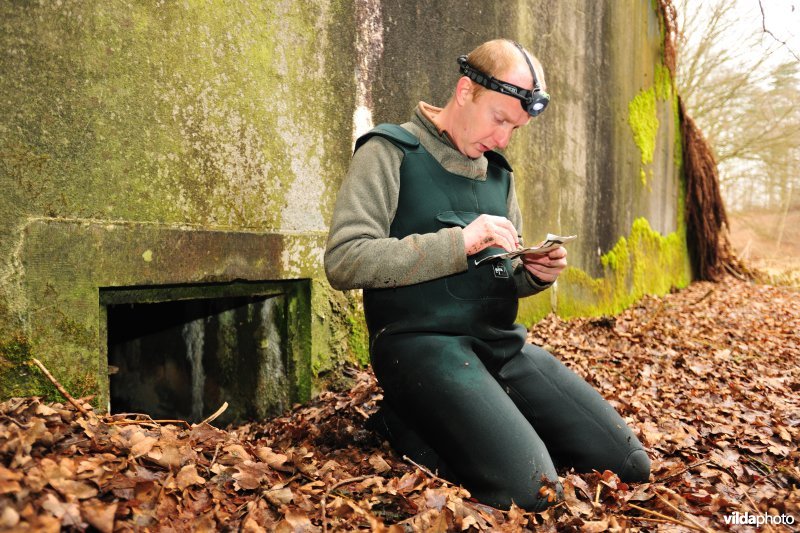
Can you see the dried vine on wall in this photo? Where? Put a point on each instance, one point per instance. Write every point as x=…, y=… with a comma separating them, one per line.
x=669, y=17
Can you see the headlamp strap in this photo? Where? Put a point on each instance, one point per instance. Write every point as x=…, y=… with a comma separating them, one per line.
x=492, y=83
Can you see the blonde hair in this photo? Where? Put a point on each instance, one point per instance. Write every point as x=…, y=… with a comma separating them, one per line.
x=497, y=57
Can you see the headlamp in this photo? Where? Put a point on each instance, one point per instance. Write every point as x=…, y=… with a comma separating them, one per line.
x=533, y=101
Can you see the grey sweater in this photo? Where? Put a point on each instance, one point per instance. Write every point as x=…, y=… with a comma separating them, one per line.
x=361, y=255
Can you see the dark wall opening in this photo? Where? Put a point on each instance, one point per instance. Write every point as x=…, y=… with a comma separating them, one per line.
x=183, y=357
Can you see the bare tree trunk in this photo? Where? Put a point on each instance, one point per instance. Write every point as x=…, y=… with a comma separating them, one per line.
x=782, y=224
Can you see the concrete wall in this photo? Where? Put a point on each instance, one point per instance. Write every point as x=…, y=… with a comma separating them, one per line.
x=190, y=143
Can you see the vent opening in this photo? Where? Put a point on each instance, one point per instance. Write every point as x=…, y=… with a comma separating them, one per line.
x=182, y=358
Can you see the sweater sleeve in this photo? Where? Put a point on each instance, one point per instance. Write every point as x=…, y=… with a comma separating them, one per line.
x=527, y=285
x=359, y=253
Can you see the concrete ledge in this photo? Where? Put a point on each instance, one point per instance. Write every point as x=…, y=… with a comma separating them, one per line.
x=64, y=265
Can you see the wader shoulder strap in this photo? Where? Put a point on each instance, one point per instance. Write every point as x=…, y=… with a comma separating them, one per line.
x=408, y=142
x=399, y=136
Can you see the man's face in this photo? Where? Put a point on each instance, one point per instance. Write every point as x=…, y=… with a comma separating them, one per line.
x=493, y=117
x=487, y=122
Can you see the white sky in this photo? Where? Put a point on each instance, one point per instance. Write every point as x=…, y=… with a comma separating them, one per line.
x=782, y=18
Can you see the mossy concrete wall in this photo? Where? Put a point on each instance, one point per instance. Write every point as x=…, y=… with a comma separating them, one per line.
x=606, y=165
x=190, y=143
x=605, y=154
x=158, y=143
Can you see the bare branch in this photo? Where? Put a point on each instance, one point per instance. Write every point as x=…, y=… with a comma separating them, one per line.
x=768, y=32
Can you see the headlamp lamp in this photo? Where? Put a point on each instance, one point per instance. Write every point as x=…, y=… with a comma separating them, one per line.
x=533, y=101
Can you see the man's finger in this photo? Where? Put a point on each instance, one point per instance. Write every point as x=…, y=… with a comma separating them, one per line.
x=504, y=237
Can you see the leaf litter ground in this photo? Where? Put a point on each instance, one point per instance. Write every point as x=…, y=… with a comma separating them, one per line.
x=707, y=376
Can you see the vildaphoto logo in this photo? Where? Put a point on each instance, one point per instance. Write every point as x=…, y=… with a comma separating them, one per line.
x=758, y=520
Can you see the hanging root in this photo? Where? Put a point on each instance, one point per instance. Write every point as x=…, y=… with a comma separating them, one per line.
x=711, y=253
x=706, y=220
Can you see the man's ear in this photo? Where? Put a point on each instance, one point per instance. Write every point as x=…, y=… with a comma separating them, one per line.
x=463, y=90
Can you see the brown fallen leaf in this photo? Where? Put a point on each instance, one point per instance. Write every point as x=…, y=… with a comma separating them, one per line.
x=249, y=475
x=67, y=512
x=597, y=526
x=143, y=445
x=379, y=464
x=77, y=489
x=9, y=518
x=233, y=454
x=295, y=523
x=99, y=514
x=274, y=460
x=279, y=497
x=188, y=476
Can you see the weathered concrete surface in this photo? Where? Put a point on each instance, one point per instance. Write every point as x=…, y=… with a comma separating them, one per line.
x=203, y=142
x=162, y=143
x=578, y=166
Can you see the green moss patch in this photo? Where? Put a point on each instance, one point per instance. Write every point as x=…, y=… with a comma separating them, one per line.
x=643, y=263
x=16, y=350
x=18, y=376
x=643, y=121
x=339, y=327
x=663, y=83
x=643, y=117
x=359, y=339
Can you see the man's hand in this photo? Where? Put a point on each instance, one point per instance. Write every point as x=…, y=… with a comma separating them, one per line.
x=546, y=267
x=490, y=230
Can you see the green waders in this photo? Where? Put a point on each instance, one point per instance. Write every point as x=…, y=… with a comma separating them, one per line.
x=464, y=394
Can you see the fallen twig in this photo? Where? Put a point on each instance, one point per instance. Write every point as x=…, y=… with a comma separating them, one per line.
x=763, y=469
x=348, y=480
x=147, y=422
x=708, y=293
x=754, y=508
x=652, y=320
x=17, y=422
x=352, y=504
x=61, y=389
x=725, y=469
x=733, y=272
x=216, y=452
x=666, y=518
x=688, y=517
x=323, y=513
x=648, y=519
x=426, y=471
x=215, y=415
